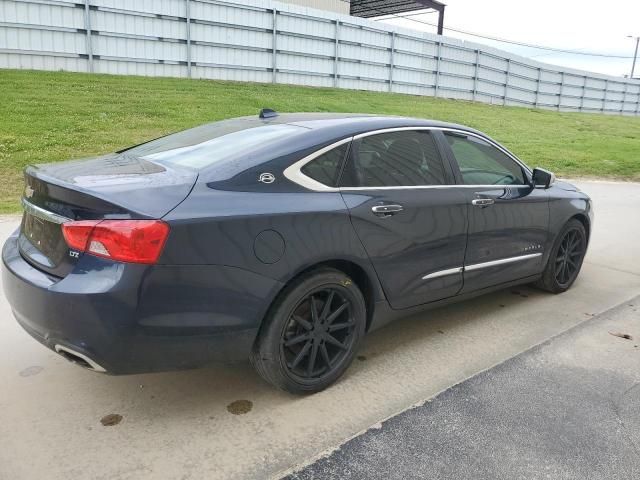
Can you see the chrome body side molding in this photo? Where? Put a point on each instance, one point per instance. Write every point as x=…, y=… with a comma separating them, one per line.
x=502, y=261
x=479, y=266
x=443, y=273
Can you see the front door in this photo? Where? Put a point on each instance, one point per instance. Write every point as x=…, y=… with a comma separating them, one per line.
x=508, y=218
x=409, y=219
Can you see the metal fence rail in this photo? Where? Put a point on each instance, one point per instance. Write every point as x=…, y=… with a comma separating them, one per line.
x=264, y=41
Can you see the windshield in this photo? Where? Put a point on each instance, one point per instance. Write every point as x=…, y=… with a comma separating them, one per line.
x=210, y=144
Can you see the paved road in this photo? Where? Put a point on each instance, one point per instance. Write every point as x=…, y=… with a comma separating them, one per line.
x=568, y=409
x=177, y=425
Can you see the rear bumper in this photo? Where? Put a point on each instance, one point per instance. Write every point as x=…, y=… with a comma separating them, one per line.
x=135, y=318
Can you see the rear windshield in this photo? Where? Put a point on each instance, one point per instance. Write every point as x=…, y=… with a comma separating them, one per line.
x=211, y=144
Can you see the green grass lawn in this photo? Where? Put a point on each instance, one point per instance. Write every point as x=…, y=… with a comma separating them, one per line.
x=52, y=116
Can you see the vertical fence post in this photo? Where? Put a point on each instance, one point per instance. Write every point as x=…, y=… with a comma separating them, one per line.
x=274, y=65
x=584, y=91
x=336, y=53
x=188, y=18
x=535, y=102
x=506, y=81
x=475, y=76
x=391, y=60
x=437, y=82
x=624, y=97
x=560, y=94
x=87, y=27
x=604, y=97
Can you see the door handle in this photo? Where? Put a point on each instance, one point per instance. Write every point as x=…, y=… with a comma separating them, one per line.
x=386, y=210
x=483, y=202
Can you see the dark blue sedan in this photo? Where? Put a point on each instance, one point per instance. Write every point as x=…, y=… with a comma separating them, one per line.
x=279, y=238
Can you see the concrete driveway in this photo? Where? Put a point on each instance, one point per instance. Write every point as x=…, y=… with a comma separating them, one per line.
x=186, y=424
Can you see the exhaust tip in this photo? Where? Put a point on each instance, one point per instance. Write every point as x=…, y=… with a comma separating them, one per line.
x=78, y=358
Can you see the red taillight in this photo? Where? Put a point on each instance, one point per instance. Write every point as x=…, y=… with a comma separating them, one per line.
x=76, y=234
x=136, y=241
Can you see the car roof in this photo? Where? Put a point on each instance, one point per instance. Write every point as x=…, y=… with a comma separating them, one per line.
x=293, y=135
x=351, y=123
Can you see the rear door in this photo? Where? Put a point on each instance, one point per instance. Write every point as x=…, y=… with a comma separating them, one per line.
x=409, y=219
x=508, y=218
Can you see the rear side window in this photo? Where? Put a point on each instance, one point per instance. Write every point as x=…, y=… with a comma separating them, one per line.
x=326, y=168
x=482, y=164
x=395, y=159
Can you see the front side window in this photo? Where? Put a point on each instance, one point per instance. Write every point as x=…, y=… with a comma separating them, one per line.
x=482, y=164
x=326, y=168
x=395, y=159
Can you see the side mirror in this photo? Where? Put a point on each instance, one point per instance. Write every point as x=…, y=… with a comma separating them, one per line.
x=542, y=178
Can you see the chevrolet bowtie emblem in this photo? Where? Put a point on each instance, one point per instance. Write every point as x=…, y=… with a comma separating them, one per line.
x=267, y=178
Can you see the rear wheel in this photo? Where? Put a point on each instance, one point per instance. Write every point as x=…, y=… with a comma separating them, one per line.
x=311, y=333
x=566, y=258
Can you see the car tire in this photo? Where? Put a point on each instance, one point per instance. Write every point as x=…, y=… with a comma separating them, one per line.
x=322, y=315
x=565, y=260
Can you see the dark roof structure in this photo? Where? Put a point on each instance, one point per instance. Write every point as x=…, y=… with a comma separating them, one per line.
x=378, y=8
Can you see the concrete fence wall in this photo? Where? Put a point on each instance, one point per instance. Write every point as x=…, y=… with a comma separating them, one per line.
x=264, y=41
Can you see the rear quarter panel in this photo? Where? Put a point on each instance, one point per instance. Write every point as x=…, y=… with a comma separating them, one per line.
x=215, y=227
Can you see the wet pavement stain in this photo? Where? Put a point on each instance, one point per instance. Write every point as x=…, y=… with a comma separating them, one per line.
x=30, y=371
x=624, y=336
x=240, y=407
x=111, y=420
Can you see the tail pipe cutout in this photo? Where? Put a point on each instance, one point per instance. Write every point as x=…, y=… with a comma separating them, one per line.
x=79, y=358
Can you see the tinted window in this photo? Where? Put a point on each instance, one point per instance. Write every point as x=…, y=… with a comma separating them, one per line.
x=482, y=164
x=326, y=168
x=406, y=158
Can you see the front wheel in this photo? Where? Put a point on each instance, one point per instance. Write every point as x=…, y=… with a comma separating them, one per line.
x=311, y=333
x=565, y=259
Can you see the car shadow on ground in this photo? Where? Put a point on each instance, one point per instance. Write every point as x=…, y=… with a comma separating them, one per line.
x=180, y=392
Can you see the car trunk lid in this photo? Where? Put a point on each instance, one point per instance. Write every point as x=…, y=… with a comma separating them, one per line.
x=110, y=187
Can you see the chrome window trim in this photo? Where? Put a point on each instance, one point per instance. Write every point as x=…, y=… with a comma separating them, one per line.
x=479, y=266
x=293, y=172
x=423, y=187
x=43, y=214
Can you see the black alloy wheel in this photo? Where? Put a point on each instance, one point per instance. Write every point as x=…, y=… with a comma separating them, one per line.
x=565, y=260
x=311, y=333
x=569, y=257
x=319, y=334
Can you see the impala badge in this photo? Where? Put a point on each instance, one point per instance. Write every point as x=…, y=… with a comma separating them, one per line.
x=267, y=178
x=28, y=191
